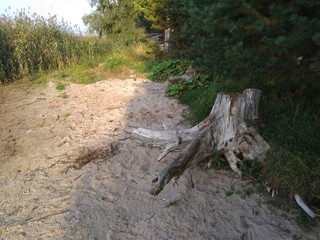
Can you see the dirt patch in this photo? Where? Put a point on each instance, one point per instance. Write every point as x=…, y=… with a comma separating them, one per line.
x=70, y=169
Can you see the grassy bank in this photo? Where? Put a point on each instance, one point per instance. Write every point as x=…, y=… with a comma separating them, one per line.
x=31, y=44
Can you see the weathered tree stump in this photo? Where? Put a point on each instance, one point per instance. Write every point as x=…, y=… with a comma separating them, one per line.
x=230, y=129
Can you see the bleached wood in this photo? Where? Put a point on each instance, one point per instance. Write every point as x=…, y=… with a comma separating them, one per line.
x=230, y=129
x=301, y=204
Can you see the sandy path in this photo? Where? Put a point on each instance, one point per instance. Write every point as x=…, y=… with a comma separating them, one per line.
x=70, y=169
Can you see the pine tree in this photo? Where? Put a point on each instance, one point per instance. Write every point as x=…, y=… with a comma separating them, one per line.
x=267, y=43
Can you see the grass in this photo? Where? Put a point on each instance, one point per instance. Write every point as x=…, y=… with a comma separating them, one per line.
x=305, y=223
x=245, y=192
x=218, y=162
x=229, y=193
x=32, y=45
x=200, y=99
x=60, y=86
x=173, y=203
x=66, y=115
x=130, y=61
x=161, y=70
x=120, y=64
x=63, y=95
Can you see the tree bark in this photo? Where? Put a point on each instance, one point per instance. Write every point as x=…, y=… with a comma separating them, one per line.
x=230, y=129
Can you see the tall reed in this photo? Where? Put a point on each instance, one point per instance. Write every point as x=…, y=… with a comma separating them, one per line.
x=30, y=44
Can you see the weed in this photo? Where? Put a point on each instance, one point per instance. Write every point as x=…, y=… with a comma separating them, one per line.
x=218, y=162
x=229, y=193
x=305, y=222
x=161, y=70
x=86, y=78
x=247, y=192
x=62, y=74
x=60, y=86
x=175, y=89
x=66, y=115
x=114, y=62
x=296, y=237
x=173, y=203
x=63, y=96
x=252, y=168
x=37, y=79
x=127, y=60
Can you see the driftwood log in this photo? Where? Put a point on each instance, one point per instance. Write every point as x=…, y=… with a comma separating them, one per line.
x=230, y=130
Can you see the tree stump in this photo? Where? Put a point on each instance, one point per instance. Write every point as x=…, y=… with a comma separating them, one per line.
x=230, y=130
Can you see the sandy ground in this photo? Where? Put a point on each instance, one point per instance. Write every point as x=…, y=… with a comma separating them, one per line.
x=71, y=169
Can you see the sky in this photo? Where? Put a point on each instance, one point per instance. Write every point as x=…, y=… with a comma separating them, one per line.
x=70, y=10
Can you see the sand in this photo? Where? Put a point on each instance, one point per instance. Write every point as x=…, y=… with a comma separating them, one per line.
x=71, y=169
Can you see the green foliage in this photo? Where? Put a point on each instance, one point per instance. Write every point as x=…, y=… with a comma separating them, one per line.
x=31, y=44
x=173, y=203
x=293, y=164
x=133, y=60
x=176, y=89
x=218, y=162
x=87, y=78
x=292, y=171
x=60, y=86
x=201, y=98
x=63, y=95
x=66, y=115
x=115, y=62
x=81, y=73
x=263, y=44
x=117, y=20
x=252, y=168
x=233, y=191
x=305, y=222
x=229, y=193
x=154, y=11
x=121, y=64
x=161, y=70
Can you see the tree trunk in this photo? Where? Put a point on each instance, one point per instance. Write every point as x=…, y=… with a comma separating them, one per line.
x=230, y=129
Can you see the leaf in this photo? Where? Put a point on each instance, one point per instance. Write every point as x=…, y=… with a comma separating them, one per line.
x=281, y=41
x=316, y=38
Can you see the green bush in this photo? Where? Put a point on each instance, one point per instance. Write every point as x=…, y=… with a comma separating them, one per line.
x=176, y=89
x=161, y=70
x=263, y=44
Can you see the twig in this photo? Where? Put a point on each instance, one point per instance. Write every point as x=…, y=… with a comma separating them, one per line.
x=48, y=215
